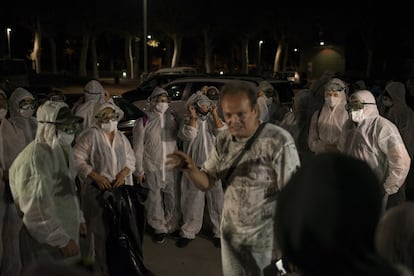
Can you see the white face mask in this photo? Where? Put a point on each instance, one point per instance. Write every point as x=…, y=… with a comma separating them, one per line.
x=161, y=107
x=64, y=138
x=110, y=126
x=332, y=101
x=3, y=113
x=27, y=113
x=357, y=116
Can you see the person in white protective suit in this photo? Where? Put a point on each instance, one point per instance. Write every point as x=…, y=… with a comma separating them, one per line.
x=297, y=122
x=104, y=159
x=198, y=133
x=265, y=93
x=11, y=143
x=22, y=105
x=327, y=122
x=393, y=106
x=370, y=137
x=155, y=136
x=42, y=182
x=94, y=96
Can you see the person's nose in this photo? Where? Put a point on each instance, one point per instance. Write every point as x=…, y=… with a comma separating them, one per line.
x=234, y=119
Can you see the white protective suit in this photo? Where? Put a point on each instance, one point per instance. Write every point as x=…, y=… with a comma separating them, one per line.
x=377, y=141
x=28, y=125
x=94, y=97
x=11, y=143
x=326, y=123
x=93, y=152
x=198, y=143
x=42, y=181
x=155, y=136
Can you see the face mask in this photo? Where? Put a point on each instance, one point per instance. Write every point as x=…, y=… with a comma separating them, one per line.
x=332, y=101
x=27, y=113
x=3, y=113
x=161, y=107
x=110, y=126
x=65, y=139
x=387, y=102
x=357, y=116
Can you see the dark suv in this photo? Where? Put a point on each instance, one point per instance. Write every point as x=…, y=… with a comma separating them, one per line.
x=144, y=90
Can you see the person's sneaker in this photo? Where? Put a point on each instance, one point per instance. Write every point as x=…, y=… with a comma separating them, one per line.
x=217, y=242
x=183, y=242
x=159, y=238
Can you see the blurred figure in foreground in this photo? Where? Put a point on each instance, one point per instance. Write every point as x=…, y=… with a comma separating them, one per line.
x=336, y=235
x=42, y=181
x=394, y=238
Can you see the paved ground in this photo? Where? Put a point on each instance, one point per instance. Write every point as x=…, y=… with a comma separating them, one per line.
x=199, y=258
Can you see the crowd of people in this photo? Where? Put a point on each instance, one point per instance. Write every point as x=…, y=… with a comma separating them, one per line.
x=319, y=187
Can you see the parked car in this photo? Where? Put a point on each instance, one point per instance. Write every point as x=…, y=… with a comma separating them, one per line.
x=181, y=89
x=144, y=90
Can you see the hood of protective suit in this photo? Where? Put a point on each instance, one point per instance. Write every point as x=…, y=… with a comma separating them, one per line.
x=334, y=84
x=196, y=97
x=110, y=105
x=302, y=99
x=94, y=91
x=46, y=132
x=365, y=96
x=156, y=92
x=264, y=86
x=16, y=96
x=396, y=90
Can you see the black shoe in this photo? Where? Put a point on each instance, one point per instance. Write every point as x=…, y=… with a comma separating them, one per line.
x=159, y=238
x=183, y=242
x=217, y=242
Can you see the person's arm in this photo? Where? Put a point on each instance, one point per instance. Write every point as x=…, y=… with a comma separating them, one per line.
x=216, y=118
x=183, y=162
x=315, y=144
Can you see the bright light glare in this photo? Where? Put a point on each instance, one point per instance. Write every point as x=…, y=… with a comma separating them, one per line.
x=124, y=74
x=221, y=73
x=321, y=43
x=261, y=42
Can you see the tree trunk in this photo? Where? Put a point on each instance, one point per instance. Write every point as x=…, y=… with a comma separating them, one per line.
x=84, y=55
x=178, y=41
x=136, y=54
x=208, y=50
x=245, y=56
x=276, y=64
x=128, y=55
x=52, y=44
x=37, y=48
x=285, y=56
x=95, y=69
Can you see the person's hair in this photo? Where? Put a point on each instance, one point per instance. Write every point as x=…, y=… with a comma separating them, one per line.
x=240, y=87
x=326, y=217
x=394, y=238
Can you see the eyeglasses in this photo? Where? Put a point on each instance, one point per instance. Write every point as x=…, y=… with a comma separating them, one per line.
x=71, y=128
x=27, y=104
x=107, y=117
x=356, y=106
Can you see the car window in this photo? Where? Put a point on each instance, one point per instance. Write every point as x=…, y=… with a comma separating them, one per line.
x=176, y=91
x=131, y=112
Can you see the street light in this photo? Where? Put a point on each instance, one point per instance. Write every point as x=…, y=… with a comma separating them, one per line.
x=8, y=31
x=259, y=62
x=145, y=38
